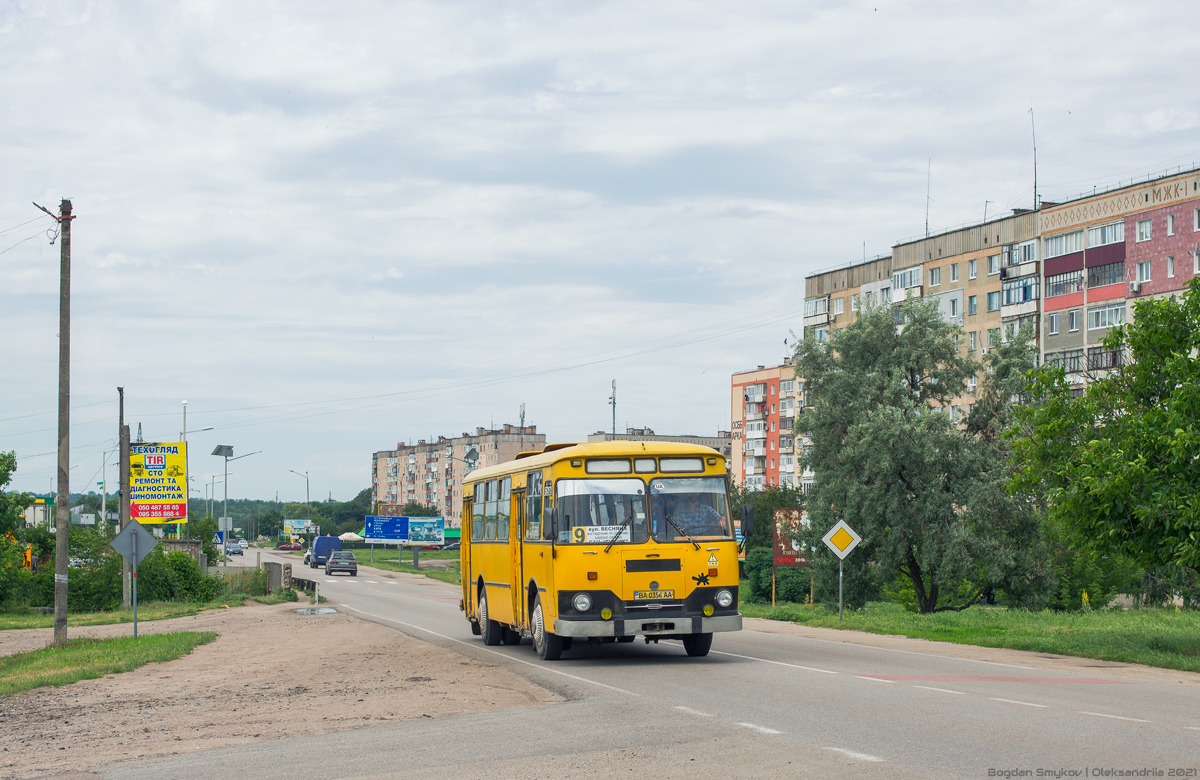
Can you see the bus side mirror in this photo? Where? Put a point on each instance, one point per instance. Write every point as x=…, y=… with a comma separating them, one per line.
x=550, y=524
x=747, y=520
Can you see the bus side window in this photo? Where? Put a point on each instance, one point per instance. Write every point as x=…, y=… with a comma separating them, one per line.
x=477, y=513
x=489, y=517
x=503, y=507
x=533, y=506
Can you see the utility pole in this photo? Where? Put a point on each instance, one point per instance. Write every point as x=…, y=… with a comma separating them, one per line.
x=522, y=428
x=1033, y=128
x=613, y=400
x=123, y=432
x=62, y=507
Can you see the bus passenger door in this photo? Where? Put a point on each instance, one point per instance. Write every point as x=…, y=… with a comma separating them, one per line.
x=466, y=577
x=516, y=567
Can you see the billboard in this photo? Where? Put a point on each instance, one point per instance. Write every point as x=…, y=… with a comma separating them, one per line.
x=158, y=482
x=789, y=524
x=405, y=530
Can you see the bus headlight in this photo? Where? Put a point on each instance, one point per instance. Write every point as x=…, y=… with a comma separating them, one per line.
x=724, y=599
x=582, y=602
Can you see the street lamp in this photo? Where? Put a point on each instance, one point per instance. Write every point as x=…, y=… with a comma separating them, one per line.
x=226, y=451
x=187, y=510
x=307, y=498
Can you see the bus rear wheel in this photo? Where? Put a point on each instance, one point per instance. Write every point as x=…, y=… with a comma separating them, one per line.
x=697, y=645
x=491, y=631
x=549, y=646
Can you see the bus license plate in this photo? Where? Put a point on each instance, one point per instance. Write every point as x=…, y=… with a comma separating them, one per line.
x=653, y=594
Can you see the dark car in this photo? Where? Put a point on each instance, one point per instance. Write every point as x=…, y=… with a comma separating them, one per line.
x=235, y=549
x=452, y=546
x=342, y=561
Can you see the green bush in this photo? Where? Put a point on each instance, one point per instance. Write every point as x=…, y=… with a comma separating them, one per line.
x=791, y=583
x=174, y=576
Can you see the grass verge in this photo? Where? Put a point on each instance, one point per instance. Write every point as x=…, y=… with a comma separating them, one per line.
x=1156, y=637
x=448, y=574
x=87, y=659
x=158, y=610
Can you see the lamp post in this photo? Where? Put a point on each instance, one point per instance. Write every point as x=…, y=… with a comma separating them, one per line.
x=187, y=470
x=226, y=451
x=307, y=498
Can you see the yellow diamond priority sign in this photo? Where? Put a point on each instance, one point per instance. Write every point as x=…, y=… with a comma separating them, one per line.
x=842, y=539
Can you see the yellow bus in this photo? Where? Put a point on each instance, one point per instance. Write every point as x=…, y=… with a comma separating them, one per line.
x=601, y=542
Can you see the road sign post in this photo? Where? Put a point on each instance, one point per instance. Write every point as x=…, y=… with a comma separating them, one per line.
x=841, y=539
x=134, y=543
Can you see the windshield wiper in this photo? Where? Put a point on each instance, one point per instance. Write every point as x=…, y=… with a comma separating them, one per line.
x=628, y=520
x=680, y=530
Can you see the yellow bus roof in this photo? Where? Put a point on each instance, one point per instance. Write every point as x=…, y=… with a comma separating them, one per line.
x=555, y=453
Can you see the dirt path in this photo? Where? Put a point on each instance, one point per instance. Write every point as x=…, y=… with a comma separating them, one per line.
x=271, y=673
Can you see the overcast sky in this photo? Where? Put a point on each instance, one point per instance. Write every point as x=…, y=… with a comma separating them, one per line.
x=331, y=227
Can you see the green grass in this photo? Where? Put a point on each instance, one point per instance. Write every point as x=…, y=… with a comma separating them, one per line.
x=159, y=610
x=386, y=560
x=87, y=659
x=1156, y=637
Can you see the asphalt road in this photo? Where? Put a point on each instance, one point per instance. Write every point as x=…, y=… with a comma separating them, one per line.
x=759, y=705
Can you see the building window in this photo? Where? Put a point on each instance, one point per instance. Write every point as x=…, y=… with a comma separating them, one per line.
x=1113, y=273
x=787, y=385
x=1053, y=328
x=971, y=383
x=1070, y=360
x=854, y=302
x=972, y=269
x=972, y=341
x=1171, y=266
x=815, y=306
x=954, y=272
x=839, y=305
x=1100, y=359
x=935, y=277
x=1020, y=290
x=1143, y=271
x=1064, y=284
x=1106, y=234
x=885, y=294
x=1019, y=254
x=1073, y=320
x=953, y=307
x=994, y=301
x=1170, y=224
x=1067, y=243
x=993, y=265
x=772, y=393
x=1106, y=316
x=993, y=336
x=1143, y=230
x=821, y=334
x=1196, y=220
x=909, y=277
x=972, y=307
x=771, y=444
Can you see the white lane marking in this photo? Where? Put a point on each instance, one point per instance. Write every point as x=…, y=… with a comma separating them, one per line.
x=874, y=679
x=541, y=667
x=1014, y=701
x=760, y=729
x=943, y=690
x=895, y=650
x=1193, y=728
x=329, y=580
x=691, y=711
x=1114, y=717
x=855, y=754
x=777, y=663
x=389, y=582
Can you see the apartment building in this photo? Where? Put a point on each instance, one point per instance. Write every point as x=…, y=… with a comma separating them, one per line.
x=765, y=450
x=720, y=442
x=431, y=472
x=1105, y=251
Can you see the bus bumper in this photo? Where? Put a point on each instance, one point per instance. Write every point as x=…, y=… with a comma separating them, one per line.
x=664, y=627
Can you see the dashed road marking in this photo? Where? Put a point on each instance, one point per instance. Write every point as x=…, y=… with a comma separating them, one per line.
x=691, y=711
x=1193, y=728
x=760, y=729
x=1014, y=701
x=855, y=754
x=1114, y=717
x=943, y=690
x=873, y=679
x=777, y=663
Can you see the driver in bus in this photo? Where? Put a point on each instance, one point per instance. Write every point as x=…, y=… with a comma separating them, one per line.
x=697, y=518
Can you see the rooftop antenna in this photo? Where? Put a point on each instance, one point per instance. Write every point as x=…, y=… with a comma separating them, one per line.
x=139, y=438
x=522, y=428
x=1033, y=127
x=928, y=174
x=613, y=400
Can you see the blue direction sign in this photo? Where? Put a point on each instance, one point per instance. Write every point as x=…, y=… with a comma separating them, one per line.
x=386, y=529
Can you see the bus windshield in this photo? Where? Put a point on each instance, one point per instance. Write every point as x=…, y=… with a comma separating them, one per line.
x=593, y=511
x=689, y=506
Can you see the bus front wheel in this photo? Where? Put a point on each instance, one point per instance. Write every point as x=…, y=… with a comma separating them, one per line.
x=549, y=646
x=491, y=631
x=697, y=645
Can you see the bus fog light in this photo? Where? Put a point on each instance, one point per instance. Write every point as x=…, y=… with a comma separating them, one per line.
x=582, y=602
x=724, y=599
x=708, y=610
x=606, y=613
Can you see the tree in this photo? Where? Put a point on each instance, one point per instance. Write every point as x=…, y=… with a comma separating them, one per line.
x=11, y=504
x=1119, y=466
x=416, y=509
x=925, y=492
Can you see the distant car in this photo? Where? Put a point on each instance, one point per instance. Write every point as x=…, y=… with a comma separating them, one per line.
x=453, y=546
x=289, y=546
x=235, y=549
x=342, y=561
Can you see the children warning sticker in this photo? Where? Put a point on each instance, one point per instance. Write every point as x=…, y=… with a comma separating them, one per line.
x=712, y=559
x=158, y=482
